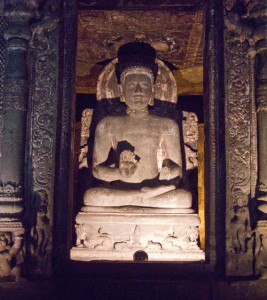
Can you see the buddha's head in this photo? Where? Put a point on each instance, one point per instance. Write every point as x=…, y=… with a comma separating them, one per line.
x=136, y=72
x=137, y=87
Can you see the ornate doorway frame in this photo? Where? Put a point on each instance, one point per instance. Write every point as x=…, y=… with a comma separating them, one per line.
x=233, y=233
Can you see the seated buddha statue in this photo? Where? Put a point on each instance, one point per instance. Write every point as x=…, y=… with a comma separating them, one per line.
x=147, y=160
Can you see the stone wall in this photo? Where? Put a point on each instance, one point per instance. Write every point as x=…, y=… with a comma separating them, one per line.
x=235, y=109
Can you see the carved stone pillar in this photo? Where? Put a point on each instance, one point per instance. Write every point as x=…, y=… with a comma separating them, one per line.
x=41, y=139
x=258, y=54
x=257, y=15
x=14, y=106
x=246, y=105
x=214, y=134
x=261, y=98
x=238, y=108
x=52, y=74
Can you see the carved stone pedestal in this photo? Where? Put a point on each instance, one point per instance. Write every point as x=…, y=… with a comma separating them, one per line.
x=128, y=234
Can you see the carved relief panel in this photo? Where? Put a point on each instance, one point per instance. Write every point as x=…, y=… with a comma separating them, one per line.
x=244, y=238
x=42, y=141
x=239, y=242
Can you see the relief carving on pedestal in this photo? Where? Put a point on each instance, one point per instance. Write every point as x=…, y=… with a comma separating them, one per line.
x=171, y=238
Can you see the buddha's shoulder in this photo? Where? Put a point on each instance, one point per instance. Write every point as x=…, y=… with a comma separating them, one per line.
x=163, y=120
x=164, y=125
x=109, y=122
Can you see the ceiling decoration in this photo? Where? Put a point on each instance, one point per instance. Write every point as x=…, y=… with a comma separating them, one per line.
x=176, y=35
x=139, y=3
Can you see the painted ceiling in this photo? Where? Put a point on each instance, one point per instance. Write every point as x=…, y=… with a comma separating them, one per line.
x=174, y=30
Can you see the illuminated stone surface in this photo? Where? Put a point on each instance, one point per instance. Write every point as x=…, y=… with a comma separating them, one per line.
x=149, y=159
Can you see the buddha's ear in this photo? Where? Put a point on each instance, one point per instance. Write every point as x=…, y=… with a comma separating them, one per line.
x=151, y=101
x=121, y=96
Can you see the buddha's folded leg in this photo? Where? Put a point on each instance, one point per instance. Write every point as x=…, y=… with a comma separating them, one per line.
x=146, y=197
x=149, y=192
x=109, y=197
x=178, y=198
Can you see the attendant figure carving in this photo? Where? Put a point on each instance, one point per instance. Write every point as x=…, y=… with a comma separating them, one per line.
x=11, y=256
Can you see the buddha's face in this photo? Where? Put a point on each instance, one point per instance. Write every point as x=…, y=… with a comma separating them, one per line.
x=137, y=91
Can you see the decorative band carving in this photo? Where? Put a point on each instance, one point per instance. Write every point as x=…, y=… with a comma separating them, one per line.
x=4, y=198
x=11, y=209
x=239, y=245
x=15, y=94
x=261, y=93
x=11, y=200
x=10, y=190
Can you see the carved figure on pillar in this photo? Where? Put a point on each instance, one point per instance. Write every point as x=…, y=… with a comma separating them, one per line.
x=138, y=160
x=40, y=234
x=41, y=230
x=85, y=133
x=240, y=229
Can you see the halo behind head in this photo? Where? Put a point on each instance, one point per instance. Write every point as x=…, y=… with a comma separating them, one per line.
x=136, y=54
x=165, y=84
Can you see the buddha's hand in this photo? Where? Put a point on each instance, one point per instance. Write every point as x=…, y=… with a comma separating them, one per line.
x=165, y=173
x=168, y=173
x=128, y=164
x=127, y=169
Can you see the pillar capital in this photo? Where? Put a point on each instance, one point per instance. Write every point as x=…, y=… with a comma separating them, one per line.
x=18, y=15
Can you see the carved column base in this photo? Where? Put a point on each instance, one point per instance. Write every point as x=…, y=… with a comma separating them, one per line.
x=138, y=234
